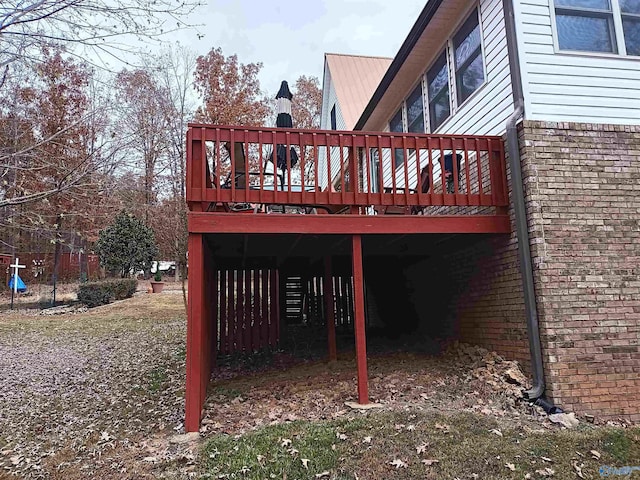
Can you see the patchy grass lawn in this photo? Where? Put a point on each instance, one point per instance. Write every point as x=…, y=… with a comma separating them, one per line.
x=100, y=394
x=82, y=393
x=414, y=444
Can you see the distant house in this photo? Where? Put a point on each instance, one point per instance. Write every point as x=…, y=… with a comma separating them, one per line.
x=560, y=81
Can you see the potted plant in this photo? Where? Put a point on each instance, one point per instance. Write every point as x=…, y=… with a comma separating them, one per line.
x=157, y=284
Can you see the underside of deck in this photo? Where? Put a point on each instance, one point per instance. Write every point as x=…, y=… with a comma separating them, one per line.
x=355, y=201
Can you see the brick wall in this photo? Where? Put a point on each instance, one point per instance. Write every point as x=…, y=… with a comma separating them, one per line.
x=583, y=193
x=473, y=291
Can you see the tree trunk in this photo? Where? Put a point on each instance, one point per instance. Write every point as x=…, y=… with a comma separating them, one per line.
x=56, y=255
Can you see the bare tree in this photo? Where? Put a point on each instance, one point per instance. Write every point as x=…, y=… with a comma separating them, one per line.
x=96, y=25
x=144, y=116
x=176, y=77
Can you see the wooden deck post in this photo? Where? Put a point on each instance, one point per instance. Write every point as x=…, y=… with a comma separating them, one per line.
x=197, y=345
x=327, y=288
x=358, y=307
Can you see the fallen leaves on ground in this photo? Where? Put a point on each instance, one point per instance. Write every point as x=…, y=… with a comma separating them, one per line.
x=398, y=463
x=83, y=392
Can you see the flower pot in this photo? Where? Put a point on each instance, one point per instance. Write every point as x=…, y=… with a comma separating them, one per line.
x=157, y=286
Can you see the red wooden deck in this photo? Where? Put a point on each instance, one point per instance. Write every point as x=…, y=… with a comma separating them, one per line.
x=356, y=186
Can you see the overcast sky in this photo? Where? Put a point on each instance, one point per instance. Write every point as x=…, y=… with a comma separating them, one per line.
x=290, y=37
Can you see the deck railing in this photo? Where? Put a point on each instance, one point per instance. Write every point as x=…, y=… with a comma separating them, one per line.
x=340, y=171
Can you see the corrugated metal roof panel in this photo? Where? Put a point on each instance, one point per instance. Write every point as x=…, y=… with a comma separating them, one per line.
x=355, y=78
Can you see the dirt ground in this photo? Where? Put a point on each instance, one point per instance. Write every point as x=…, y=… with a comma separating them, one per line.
x=100, y=393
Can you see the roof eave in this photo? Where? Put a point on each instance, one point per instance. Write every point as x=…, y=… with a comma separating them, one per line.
x=405, y=50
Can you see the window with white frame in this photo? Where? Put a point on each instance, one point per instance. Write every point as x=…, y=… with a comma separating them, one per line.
x=606, y=26
x=396, y=125
x=438, y=92
x=415, y=111
x=467, y=47
x=630, y=12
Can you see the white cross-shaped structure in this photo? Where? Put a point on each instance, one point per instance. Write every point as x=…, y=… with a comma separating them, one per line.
x=16, y=267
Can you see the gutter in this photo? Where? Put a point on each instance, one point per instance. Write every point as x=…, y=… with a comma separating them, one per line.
x=536, y=393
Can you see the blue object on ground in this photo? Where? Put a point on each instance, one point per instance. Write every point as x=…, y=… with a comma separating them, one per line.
x=21, y=286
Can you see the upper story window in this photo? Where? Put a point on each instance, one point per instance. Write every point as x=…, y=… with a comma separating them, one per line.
x=469, y=66
x=415, y=111
x=333, y=118
x=607, y=26
x=630, y=10
x=438, y=92
x=396, y=125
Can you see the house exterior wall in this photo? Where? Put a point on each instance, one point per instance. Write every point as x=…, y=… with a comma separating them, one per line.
x=487, y=110
x=474, y=292
x=572, y=87
x=329, y=100
x=583, y=195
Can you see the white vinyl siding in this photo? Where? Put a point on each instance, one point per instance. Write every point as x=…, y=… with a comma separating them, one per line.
x=487, y=109
x=572, y=87
x=329, y=101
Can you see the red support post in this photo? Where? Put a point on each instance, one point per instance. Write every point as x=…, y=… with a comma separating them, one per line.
x=197, y=348
x=328, y=307
x=358, y=304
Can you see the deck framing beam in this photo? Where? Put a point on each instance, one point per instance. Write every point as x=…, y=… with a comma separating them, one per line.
x=213, y=222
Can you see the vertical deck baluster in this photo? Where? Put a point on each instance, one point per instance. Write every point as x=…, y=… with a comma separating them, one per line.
x=264, y=300
x=240, y=345
x=216, y=165
x=367, y=160
x=329, y=316
x=443, y=183
x=232, y=156
x=260, y=169
x=288, y=157
x=274, y=299
x=255, y=310
x=316, y=159
x=203, y=155
x=302, y=161
x=246, y=165
x=274, y=161
x=430, y=165
x=231, y=312
x=405, y=168
x=223, y=312
x=393, y=170
x=479, y=168
x=504, y=194
x=419, y=175
x=466, y=170
x=492, y=173
x=233, y=317
x=343, y=185
x=454, y=166
x=329, y=161
x=380, y=169
x=248, y=317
